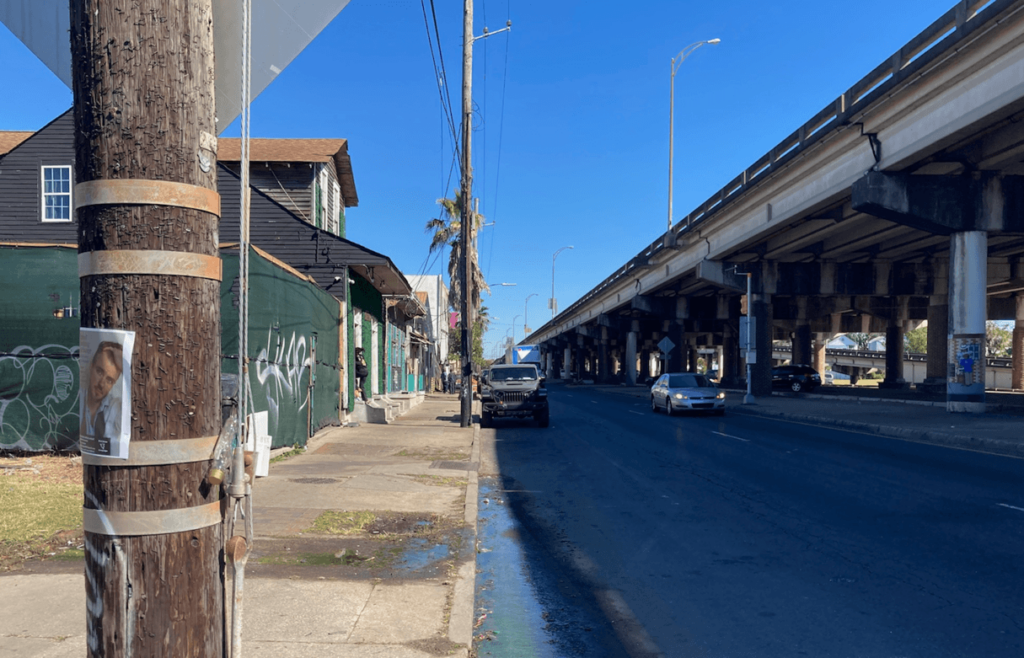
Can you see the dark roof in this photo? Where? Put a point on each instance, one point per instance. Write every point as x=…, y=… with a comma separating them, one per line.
x=311, y=251
x=229, y=149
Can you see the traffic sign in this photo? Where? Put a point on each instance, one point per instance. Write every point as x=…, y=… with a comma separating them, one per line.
x=665, y=345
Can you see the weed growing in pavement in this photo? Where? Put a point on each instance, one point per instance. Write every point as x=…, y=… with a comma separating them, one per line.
x=439, y=454
x=288, y=455
x=342, y=523
x=439, y=480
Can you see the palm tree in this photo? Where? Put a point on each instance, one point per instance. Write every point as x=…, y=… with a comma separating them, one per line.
x=447, y=230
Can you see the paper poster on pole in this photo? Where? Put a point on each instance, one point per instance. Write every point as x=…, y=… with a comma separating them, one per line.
x=104, y=401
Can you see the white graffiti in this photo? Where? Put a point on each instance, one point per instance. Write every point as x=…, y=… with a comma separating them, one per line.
x=284, y=371
x=39, y=398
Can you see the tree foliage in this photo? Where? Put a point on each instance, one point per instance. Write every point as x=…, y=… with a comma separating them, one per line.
x=447, y=230
x=998, y=340
x=916, y=340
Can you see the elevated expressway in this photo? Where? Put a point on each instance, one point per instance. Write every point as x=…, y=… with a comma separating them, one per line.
x=901, y=201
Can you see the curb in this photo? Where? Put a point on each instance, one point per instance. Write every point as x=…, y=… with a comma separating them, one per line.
x=945, y=439
x=460, y=622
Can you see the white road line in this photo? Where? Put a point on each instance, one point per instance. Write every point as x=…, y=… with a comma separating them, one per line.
x=1019, y=509
x=636, y=412
x=730, y=436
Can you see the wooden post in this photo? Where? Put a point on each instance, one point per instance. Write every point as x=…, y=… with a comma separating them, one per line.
x=143, y=75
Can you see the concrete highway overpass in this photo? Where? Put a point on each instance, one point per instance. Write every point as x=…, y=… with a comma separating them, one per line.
x=900, y=201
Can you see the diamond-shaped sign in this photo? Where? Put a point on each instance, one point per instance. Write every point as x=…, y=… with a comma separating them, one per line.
x=665, y=345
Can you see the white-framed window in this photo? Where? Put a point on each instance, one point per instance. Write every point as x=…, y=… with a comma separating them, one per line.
x=56, y=193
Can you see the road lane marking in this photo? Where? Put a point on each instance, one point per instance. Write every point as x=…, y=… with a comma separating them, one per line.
x=730, y=436
x=636, y=412
x=1019, y=509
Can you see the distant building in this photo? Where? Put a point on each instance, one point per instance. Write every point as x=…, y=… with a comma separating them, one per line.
x=435, y=323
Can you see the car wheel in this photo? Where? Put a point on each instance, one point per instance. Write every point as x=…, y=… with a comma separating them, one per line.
x=796, y=386
x=486, y=419
x=668, y=406
x=543, y=418
x=654, y=405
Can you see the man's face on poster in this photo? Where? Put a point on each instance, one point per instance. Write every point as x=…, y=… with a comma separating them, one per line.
x=103, y=374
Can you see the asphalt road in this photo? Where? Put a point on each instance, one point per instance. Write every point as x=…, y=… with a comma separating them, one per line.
x=740, y=536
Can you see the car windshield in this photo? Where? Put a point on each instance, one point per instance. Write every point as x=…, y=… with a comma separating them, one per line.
x=508, y=374
x=688, y=381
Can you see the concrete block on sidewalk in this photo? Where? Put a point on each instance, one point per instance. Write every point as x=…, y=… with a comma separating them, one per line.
x=318, y=611
x=402, y=613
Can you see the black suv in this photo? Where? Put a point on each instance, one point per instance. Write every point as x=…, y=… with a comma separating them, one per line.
x=796, y=378
x=514, y=391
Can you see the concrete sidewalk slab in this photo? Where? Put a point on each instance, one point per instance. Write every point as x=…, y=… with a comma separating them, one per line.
x=367, y=607
x=42, y=615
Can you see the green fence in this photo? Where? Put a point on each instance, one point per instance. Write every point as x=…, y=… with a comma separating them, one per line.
x=39, y=348
x=293, y=338
x=294, y=373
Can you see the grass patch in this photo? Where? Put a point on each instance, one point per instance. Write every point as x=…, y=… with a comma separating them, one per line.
x=436, y=455
x=342, y=523
x=440, y=480
x=33, y=510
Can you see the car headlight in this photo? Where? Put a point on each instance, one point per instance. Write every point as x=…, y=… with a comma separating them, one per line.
x=721, y=395
x=680, y=396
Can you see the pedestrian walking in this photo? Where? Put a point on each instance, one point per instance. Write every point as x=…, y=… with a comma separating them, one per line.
x=446, y=381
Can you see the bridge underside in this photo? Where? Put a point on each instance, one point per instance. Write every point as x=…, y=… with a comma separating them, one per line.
x=939, y=240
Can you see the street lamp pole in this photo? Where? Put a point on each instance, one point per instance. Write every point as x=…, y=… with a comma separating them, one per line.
x=514, y=328
x=677, y=61
x=526, y=315
x=553, y=309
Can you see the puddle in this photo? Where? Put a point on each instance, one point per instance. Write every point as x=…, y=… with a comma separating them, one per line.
x=525, y=605
x=419, y=554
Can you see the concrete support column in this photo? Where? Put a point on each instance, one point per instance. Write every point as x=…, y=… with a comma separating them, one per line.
x=676, y=358
x=894, y=356
x=1017, y=376
x=938, y=343
x=645, y=364
x=818, y=356
x=630, y=363
x=692, y=355
x=761, y=370
x=730, y=375
x=566, y=364
x=603, y=362
x=965, y=391
x=802, y=344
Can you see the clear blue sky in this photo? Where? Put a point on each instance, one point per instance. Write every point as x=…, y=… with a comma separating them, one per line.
x=571, y=139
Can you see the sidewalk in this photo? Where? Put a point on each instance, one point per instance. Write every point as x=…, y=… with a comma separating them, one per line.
x=1000, y=432
x=389, y=573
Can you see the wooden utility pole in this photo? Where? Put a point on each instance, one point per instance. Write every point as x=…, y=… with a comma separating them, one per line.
x=143, y=75
x=466, y=237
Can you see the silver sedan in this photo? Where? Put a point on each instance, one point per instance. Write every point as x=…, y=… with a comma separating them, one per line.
x=686, y=391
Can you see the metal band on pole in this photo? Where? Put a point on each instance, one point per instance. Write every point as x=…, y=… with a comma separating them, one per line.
x=131, y=261
x=155, y=453
x=162, y=522
x=116, y=192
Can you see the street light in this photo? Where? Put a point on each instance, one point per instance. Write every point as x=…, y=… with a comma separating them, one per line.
x=553, y=304
x=514, y=328
x=526, y=315
x=677, y=61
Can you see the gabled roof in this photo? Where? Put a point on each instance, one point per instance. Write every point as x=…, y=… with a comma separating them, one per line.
x=311, y=251
x=11, y=138
x=229, y=149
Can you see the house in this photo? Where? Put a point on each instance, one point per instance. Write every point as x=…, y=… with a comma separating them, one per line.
x=433, y=293
x=315, y=295
x=312, y=178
